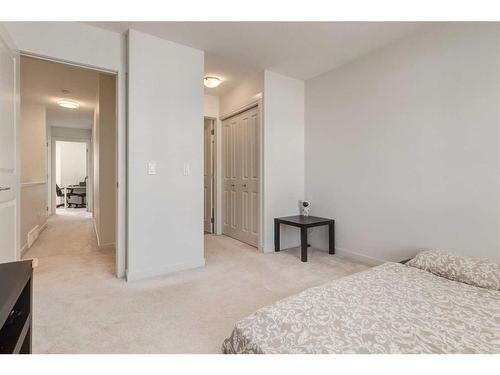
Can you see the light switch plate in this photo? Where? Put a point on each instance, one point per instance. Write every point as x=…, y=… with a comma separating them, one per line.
x=151, y=167
x=186, y=169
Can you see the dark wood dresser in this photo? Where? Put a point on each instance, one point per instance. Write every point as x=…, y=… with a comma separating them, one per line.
x=16, y=302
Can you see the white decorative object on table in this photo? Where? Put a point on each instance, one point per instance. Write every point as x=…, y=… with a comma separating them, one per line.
x=305, y=206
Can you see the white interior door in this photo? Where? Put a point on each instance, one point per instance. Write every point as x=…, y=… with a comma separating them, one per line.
x=9, y=179
x=208, y=176
x=241, y=158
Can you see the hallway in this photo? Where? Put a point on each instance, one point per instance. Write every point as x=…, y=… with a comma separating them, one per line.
x=81, y=307
x=70, y=232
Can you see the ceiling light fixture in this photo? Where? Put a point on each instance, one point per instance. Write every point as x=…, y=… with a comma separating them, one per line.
x=212, y=82
x=68, y=104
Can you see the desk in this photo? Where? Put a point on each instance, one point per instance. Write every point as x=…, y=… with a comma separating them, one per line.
x=304, y=222
x=74, y=187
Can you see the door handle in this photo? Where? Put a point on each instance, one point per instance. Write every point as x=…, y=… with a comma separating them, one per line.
x=4, y=188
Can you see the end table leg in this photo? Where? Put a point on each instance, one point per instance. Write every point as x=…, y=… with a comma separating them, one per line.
x=303, y=244
x=276, y=235
x=331, y=237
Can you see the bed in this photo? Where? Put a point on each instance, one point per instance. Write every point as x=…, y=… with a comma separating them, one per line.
x=438, y=303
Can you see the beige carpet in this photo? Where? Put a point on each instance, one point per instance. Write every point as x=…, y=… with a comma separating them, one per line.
x=80, y=307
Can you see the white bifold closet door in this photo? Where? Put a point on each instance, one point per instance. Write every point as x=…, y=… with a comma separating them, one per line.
x=241, y=162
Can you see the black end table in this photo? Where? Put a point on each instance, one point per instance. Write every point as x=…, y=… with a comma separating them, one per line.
x=304, y=222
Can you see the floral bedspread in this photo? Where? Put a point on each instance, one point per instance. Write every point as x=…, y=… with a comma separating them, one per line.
x=392, y=308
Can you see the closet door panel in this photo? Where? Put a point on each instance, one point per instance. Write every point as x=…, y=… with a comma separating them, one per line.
x=250, y=176
x=241, y=176
x=229, y=166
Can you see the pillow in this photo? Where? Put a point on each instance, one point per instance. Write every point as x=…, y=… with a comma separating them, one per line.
x=483, y=273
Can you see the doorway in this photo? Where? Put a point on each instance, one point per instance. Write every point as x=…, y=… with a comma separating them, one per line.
x=9, y=174
x=71, y=172
x=68, y=145
x=209, y=175
x=241, y=176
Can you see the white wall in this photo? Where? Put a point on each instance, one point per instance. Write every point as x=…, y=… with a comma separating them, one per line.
x=84, y=44
x=73, y=133
x=33, y=138
x=211, y=106
x=283, y=154
x=402, y=146
x=247, y=91
x=33, y=211
x=165, y=126
x=71, y=163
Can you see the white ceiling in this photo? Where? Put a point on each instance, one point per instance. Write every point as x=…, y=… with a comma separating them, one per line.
x=42, y=82
x=236, y=50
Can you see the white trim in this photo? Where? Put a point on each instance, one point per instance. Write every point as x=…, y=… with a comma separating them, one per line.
x=215, y=182
x=260, y=104
x=23, y=250
x=254, y=103
x=34, y=183
x=368, y=260
x=39, y=229
x=33, y=235
x=96, y=232
x=66, y=62
x=106, y=246
x=162, y=271
x=102, y=246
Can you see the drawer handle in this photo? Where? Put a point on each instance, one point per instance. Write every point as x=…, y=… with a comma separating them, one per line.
x=4, y=188
x=244, y=185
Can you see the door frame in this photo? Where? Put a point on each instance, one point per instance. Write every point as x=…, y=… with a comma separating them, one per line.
x=52, y=174
x=255, y=102
x=215, y=182
x=6, y=39
x=121, y=254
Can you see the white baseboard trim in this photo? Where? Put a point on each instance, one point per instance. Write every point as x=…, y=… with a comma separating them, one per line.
x=365, y=259
x=368, y=260
x=96, y=234
x=32, y=235
x=162, y=271
x=102, y=246
x=105, y=246
x=121, y=275
x=23, y=250
x=43, y=227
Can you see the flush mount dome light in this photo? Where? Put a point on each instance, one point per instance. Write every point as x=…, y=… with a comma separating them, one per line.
x=68, y=104
x=211, y=81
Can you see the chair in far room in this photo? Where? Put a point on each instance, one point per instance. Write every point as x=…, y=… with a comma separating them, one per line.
x=59, y=194
x=81, y=196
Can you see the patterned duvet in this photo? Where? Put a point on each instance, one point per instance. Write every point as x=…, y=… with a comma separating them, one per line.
x=391, y=308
